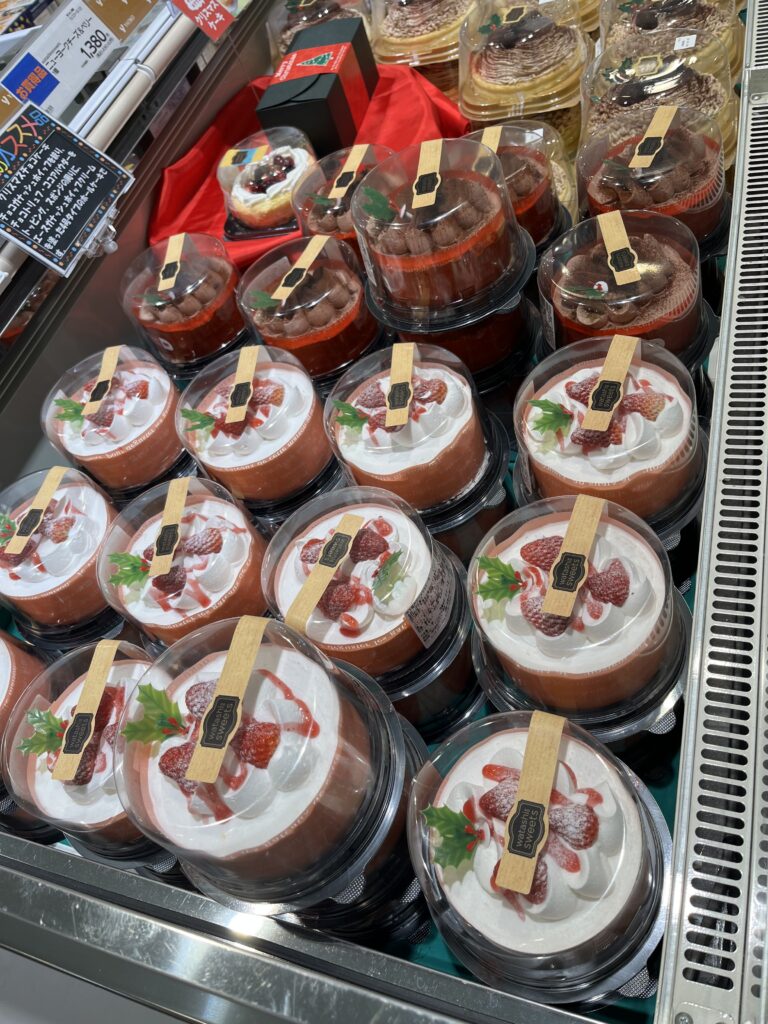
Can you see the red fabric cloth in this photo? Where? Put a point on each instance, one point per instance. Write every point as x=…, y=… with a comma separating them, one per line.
x=404, y=109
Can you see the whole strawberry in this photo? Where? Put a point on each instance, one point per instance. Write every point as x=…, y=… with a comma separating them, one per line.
x=207, y=542
x=611, y=585
x=174, y=763
x=338, y=598
x=172, y=582
x=256, y=743
x=372, y=397
x=648, y=403
x=367, y=545
x=549, y=625
x=542, y=552
x=198, y=698
x=137, y=389
x=580, y=390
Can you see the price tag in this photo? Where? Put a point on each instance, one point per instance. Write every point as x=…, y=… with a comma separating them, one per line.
x=169, y=534
x=428, y=180
x=83, y=721
x=333, y=554
x=32, y=518
x=400, y=393
x=242, y=389
x=569, y=571
x=527, y=826
x=223, y=716
x=56, y=191
x=609, y=387
x=685, y=42
x=121, y=16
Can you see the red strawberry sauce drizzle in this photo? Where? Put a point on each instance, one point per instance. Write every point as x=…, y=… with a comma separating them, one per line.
x=577, y=820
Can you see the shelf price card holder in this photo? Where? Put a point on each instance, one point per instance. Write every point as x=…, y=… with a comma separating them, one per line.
x=57, y=193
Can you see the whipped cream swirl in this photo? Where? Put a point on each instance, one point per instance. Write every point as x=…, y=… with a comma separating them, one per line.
x=588, y=870
x=640, y=441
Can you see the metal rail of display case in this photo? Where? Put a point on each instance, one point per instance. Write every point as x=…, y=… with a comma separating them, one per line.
x=178, y=951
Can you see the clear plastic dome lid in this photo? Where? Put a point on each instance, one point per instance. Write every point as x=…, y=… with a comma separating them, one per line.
x=257, y=176
x=597, y=882
x=618, y=631
x=392, y=591
x=624, y=21
x=51, y=579
x=436, y=228
x=46, y=767
x=288, y=17
x=309, y=772
x=181, y=555
x=323, y=195
x=180, y=293
x=647, y=456
x=18, y=667
x=307, y=296
x=668, y=160
x=662, y=67
x=633, y=273
x=126, y=437
x=278, y=446
x=417, y=31
x=435, y=452
x=520, y=60
x=524, y=152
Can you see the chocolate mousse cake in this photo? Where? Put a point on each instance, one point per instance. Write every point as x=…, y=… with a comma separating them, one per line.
x=87, y=807
x=195, y=316
x=417, y=28
x=374, y=613
x=18, y=667
x=435, y=256
x=324, y=320
x=277, y=449
x=258, y=176
x=648, y=457
x=323, y=195
x=51, y=585
x=685, y=179
x=627, y=22
x=215, y=569
x=130, y=439
x=597, y=884
x=291, y=16
x=433, y=458
x=652, y=71
x=304, y=776
x=619, y=633
x=582, y=297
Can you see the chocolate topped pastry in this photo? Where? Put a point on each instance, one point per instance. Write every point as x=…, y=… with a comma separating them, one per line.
x=198, y=284
x=298, y=14
x=682, y=165
x=408, y=18
x=525, y=47
x=325, y=296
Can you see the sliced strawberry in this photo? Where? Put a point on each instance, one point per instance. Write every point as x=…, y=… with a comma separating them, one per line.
x=542, y=552
x=377, y=421
x=85, y=769
x=207, y=542
x=106, y=707
x=430, y=390
x=372, y=397
x=110, y=734
x=198, y=697
x=498, y=802
x=611, y=585
x=576, y=824
x=648, y=403
x=367, y=545
x=11, y=561
x=266, y=392
x=580, y=390
x=310, y=551
x=174, y=763
x=57, y=530
x=338, y=598
x=549, y=625
x=229, y=429
x=256, y=743
x=591, y=440
x=540, y=884
x=172, y=582
x=137, y=389
x=103, y=416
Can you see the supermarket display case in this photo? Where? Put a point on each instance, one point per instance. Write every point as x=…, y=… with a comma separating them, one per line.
x=151, y=938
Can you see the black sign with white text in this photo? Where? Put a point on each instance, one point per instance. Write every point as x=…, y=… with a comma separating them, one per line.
x=55, y=190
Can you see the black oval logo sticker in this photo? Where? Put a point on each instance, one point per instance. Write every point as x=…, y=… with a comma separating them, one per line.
x=606, y=396
x=78, y=733
x=568, y=572
x=219, y=722
x=167, y=539
x=526, y=829
x=399, y=395
x=335, y=550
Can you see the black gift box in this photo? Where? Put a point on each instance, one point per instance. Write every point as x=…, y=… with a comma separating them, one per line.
x=323, y=85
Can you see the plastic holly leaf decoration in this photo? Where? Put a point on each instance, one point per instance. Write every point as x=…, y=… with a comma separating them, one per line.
x=261, y=300
x=69, y=411
x=493, y=22
x=131, y=569
x=324, y=201
x=458, y=836
x=388, y=575
x=162, y=717
x=348, y=416
x=377, y=205
x=502, y=582
x=197, y=420
x=553, y=416
x=7, y=529
x=48, y=734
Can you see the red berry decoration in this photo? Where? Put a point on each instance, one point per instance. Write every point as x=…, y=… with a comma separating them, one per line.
x=137, y=389
x=172, y=582
x=372, y=397
x=256, y=743
x=580, y=391
x=208, y=542
x=549, y=625
x=611, y=585
x=367, y=545
x=430, y=391
x=648, y=403
x=198, y=698
x=542, y=552
x=174, y=763
x=338, y=598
